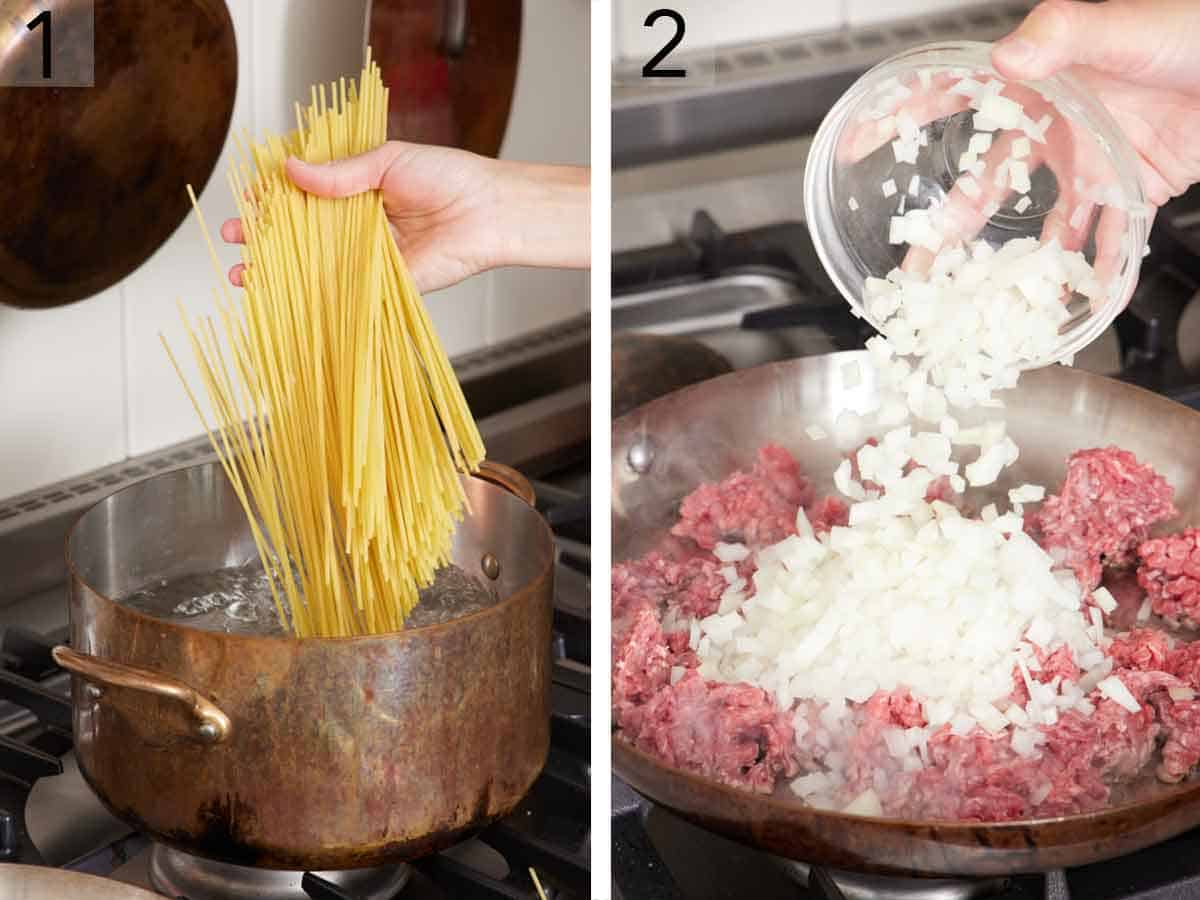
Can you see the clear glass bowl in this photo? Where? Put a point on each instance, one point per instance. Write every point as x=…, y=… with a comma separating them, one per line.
x=1077, y=179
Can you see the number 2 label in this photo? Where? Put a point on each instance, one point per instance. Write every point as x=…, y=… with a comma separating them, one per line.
x=651, y=69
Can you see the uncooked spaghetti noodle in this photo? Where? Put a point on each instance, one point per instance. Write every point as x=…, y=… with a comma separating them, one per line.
x=338, y=418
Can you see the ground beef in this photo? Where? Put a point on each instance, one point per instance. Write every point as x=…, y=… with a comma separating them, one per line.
x=641, y=663
x=977, y=777
x=1170, y=575
x=1181, y=750
x=897, y=708
x=757, y=508
x=826, y=513
x=692, y=586
x=1144, y=649
x=729, y=732
x=735, y=733
x=1116, y=742
x=1102, y=512
x=940, y=489
x=1184, y=663
x=1060, y=664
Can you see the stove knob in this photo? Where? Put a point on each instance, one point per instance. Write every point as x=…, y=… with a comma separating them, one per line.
x=10, y=838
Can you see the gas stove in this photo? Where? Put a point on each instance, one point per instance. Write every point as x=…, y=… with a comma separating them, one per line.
x=710, y=245
x=531, y=400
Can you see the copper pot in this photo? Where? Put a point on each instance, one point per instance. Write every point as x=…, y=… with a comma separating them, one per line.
x=322, y=753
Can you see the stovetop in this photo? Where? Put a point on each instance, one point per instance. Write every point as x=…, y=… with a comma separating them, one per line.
x=659, y=856
x=1155, y=342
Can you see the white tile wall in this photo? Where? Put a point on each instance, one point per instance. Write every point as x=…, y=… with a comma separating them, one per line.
x=550, y=123
x=87, y=385
x=61, y=399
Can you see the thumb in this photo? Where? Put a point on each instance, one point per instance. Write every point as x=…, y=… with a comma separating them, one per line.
x=343, y=177
x=1060, y=33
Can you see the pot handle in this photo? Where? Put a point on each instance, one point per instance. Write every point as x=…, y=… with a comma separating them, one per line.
x=212, y=725
x=508, y=478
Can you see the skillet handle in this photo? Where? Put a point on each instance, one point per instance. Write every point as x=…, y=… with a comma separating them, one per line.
x=212, y=726
x=508, y=478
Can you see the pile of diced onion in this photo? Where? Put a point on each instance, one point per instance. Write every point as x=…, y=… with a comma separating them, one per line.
x=913, y=594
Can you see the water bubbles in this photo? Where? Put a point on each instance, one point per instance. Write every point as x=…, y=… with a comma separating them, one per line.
x=238, y=600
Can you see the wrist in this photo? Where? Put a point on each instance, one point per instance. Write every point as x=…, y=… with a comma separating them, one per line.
x=539, y=215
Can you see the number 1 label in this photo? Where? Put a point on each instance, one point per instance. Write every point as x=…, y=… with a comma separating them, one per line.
x=42, y=20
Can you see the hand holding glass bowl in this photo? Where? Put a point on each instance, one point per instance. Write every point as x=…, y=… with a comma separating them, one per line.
x=934, y=147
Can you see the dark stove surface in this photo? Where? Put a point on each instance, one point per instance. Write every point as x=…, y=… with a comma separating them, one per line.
x=659, y=856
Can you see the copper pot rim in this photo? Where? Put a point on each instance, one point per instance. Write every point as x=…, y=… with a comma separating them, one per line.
x=546, y=538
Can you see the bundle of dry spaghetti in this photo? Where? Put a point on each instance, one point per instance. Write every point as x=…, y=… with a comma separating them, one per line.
x=339, y=420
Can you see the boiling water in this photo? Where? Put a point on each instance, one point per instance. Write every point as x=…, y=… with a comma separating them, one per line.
x=238, y=600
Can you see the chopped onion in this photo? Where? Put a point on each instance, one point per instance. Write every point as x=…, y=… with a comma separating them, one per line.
x=851, y=375
x=980, y=122
x=1022, y=204
x=1019, y=176
x=914, y=186
x=865, y=804
x=1104, y=599
x=853, y=205
x=1114, y=689
x=888, y=187
x=1179, y=694
x=906, y=151
x=1027, y=493
x=730, y=553
x=1006, y=113
x=816, y=432
x=845, y=483
x=979, y=144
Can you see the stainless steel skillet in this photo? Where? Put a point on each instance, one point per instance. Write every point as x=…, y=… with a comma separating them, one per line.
x=663, y=450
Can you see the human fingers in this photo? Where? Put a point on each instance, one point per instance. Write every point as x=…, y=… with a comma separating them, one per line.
x=1114, y=37
x=344, y=177
x=894, y=113
x=232, y=232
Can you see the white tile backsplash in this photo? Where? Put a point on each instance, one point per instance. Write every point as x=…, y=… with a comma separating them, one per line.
x=86, y=385
x=299, y=43
x=524, y=299
x=158, y=411
x=550, y=122
x=871, y=12
x=61, y=398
